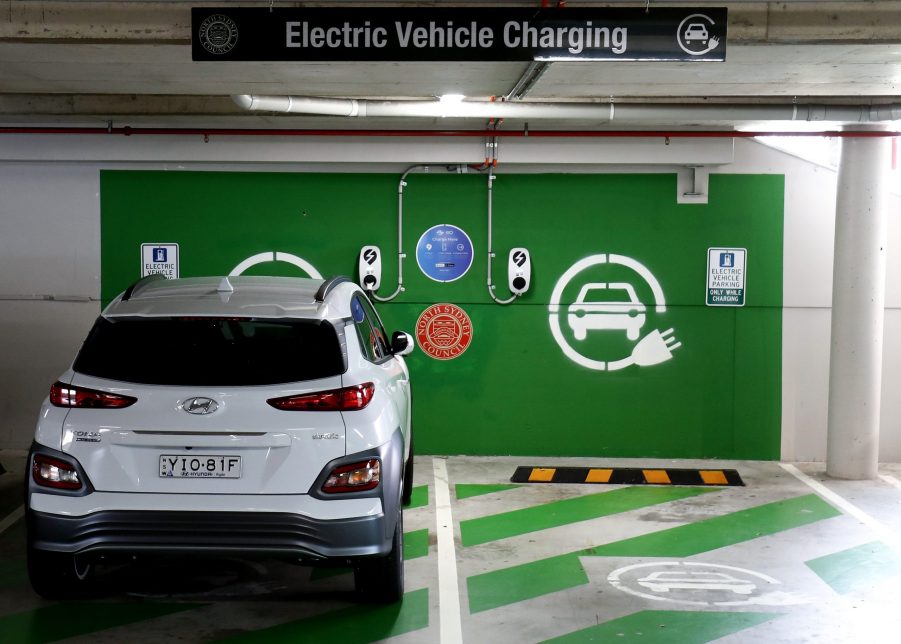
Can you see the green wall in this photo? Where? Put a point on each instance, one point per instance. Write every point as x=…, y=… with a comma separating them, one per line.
x=513, y=391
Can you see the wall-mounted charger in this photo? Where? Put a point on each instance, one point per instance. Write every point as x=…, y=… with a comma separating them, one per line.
x=370, y=266
x=519, y=270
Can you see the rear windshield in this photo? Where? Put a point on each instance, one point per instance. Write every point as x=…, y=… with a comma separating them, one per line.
x=210, y=351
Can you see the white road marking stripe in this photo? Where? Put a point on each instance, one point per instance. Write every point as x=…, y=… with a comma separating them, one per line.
x=846, y=506
x=451, y=628
x=13, y=516
x=891, y=480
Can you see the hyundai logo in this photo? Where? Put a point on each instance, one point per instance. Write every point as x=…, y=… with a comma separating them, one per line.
x=200, y=406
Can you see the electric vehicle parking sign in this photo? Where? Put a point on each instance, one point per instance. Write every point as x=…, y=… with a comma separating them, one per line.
x=726, y=271
x=444, y=253
x=159, y=258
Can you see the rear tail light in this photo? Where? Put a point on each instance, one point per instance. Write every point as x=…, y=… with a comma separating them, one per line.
x=355, y=477
x=63, y=395
x=346, y=399
x=52, y=472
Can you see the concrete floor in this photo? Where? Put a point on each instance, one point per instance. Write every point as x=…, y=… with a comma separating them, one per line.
x=488, y=561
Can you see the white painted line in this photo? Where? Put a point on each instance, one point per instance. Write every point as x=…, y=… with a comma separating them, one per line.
x=451, y=628
x=13, y=516
x=886, y=535
x=891, y=480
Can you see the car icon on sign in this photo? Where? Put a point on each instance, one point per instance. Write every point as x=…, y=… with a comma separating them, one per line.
x=665, y=581
x=589, y=314
x=696, y=31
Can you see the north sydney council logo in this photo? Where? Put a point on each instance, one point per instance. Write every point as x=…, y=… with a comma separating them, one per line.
x=444, y=331
x=218, y=34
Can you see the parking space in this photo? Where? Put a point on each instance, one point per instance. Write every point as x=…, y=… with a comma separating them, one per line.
x=769, y=561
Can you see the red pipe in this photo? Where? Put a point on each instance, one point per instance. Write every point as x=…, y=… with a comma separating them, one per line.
x=129, y=131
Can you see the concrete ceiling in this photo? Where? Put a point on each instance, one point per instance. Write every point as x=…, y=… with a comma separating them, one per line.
x=89, y=62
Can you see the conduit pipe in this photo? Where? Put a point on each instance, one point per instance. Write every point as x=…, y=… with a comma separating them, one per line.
x=603, y=112
x=401, y=255
x=400, y=234
x=552, y=134
x=491, y=286
x=491, y=162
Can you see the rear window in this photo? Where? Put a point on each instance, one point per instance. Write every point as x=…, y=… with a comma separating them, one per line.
x=210, y=351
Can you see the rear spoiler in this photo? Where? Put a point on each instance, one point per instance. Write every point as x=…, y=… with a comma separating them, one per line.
x=330, y=284
x=144, y=281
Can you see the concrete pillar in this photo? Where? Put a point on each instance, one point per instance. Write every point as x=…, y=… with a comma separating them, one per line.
x=858, y=309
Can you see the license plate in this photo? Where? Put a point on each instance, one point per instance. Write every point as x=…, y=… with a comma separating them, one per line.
x=201, y=466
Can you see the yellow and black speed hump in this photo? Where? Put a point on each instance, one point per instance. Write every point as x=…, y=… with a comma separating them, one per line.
x=626, y=476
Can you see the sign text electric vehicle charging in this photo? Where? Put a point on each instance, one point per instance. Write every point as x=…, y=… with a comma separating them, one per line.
x=458, y=34
x=608, y=308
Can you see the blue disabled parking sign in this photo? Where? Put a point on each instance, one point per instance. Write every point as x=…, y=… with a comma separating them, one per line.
x=444, y=253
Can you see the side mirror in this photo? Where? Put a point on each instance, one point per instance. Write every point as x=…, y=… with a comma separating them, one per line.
x=401, y=343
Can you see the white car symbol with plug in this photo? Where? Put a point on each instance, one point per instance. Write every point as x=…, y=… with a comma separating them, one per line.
x=696, y=31
x=586, y=314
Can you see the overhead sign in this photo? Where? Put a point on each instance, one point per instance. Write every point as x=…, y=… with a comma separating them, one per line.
x=458, y=34
x=726, y=270
x=159, y=258
x=444, y=253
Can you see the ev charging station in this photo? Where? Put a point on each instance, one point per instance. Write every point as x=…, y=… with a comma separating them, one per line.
x=370, y=268
x=519, y=270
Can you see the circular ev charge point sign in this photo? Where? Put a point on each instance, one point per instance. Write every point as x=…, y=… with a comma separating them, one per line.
x=444, y=253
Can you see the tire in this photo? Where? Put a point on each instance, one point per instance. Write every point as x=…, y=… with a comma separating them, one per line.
x=408, y=477
x=58, y=575
x=380, y=580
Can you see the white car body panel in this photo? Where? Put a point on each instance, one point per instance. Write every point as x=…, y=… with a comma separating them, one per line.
x=279, y=452
x=296, y=504
x=50, y=422
x=373, y=426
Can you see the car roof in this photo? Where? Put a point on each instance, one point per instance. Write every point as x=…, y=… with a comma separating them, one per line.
x=238, y=296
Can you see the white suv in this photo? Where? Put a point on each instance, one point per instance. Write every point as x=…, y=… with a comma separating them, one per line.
x=241, y=415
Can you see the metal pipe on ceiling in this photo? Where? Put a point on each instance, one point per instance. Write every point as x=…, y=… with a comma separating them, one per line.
x=602, y=112
x=554, y=134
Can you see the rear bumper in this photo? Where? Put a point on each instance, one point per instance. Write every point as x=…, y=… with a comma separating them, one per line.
x=275, y=534
x=299, y=526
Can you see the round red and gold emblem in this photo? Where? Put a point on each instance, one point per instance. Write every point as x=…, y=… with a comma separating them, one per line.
x=444, y=331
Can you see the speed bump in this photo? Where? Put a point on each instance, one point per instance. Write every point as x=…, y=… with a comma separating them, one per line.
x=626, y=476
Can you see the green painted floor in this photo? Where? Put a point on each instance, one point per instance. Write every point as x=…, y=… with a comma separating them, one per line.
x=768, y=562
